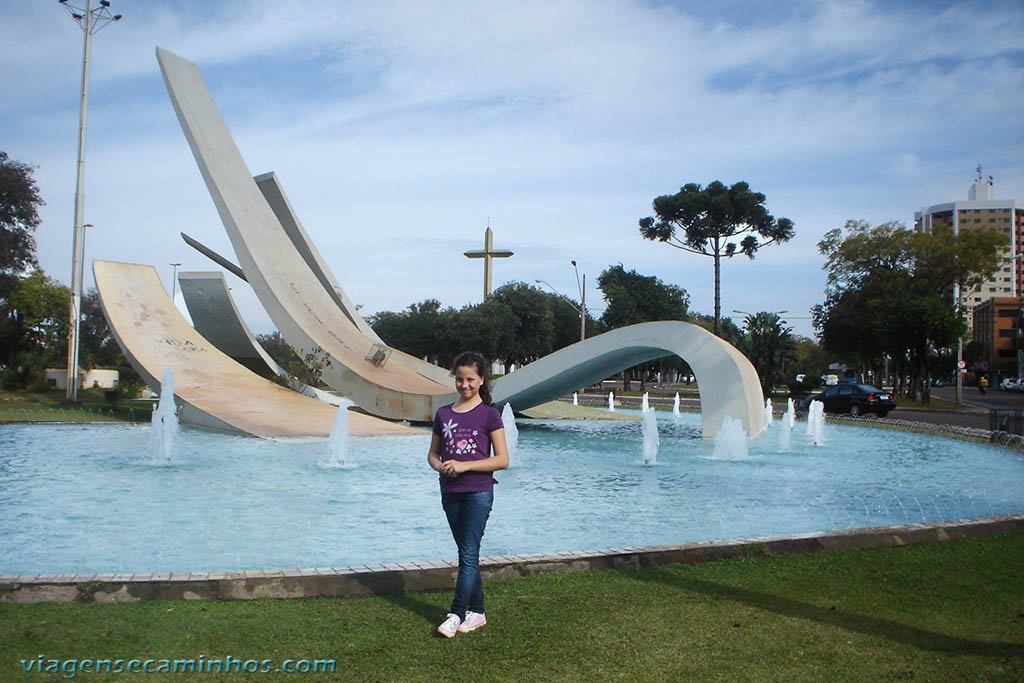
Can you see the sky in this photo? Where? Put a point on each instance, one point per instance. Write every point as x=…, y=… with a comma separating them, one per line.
x=400, y=129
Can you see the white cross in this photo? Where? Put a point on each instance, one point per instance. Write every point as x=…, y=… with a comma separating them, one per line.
x=488, y=254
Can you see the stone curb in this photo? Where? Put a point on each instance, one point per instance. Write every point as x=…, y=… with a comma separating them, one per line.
x=331, y=582
x=998, y=438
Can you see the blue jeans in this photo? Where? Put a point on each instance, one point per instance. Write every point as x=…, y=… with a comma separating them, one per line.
x=467, y=515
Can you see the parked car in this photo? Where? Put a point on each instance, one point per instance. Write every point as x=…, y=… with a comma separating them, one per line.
x=1010, y=384
x=856, y=399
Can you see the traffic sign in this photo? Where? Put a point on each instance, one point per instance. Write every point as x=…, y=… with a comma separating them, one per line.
x=961, y=364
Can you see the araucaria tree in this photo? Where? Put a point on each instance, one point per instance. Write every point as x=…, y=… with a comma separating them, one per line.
x=715, y=221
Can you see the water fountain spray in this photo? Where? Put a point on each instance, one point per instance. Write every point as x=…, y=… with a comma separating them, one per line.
x=651, y=440
x=337, y=446
x=165, y=421
x=508, y=419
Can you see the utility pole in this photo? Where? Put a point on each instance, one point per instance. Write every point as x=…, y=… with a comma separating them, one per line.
x=92, y=21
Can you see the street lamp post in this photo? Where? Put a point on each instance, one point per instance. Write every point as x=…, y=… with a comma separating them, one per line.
x=92, y=21
x=958, y=393
x=583, y=300
x=569, y=301
x=174, y=280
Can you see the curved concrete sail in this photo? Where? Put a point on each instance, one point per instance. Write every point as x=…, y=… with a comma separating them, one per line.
x=301, y=308
x=215, y=317
x=302, y=299
x=214, y=391
x=273, y=192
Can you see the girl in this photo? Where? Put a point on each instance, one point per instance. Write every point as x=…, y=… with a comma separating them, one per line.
x=464, y=433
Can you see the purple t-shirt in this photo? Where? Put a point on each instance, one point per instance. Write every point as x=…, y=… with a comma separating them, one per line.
x=467, y=436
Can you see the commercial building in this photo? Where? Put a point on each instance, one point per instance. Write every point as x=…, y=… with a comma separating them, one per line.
x=997, y=328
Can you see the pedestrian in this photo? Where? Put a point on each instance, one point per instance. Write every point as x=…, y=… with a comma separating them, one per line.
x=465, y=433
x=982, y=384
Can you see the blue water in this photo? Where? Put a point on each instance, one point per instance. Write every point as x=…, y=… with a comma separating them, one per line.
x=89, y=498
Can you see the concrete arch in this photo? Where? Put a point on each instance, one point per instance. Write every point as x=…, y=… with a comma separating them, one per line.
x=728, y=383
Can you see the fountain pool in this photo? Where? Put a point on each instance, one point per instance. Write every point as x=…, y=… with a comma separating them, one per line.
x=90, y=498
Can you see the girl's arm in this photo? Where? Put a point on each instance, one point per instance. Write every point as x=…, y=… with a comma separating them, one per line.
x=498, y=461
x=434, y=454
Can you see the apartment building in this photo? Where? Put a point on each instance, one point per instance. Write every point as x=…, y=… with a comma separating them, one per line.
x=982, y=211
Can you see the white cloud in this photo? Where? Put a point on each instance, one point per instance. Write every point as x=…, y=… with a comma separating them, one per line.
x=561, y=121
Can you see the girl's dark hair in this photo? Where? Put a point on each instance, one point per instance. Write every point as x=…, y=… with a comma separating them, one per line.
x=482, y=367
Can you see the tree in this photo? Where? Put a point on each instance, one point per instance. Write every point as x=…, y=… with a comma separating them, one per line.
x=530, y=337
x=99, y=348
x=36, y=317
x=306, y=369
x=710, y=219
x=633, y=298
x=39, y=304
x=485, y=328
x=809, y=360
x=768, y=345
x=421, y=330
x=567, y=321
x=19, y=217
x=728, y=330
x=889, y=294
x=277, y=348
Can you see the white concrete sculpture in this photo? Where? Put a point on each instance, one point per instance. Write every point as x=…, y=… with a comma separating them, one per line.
x=310, y=309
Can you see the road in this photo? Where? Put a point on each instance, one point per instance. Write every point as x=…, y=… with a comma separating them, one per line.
x=992, y=398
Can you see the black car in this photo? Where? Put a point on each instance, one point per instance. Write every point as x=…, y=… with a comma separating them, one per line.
x=856, y=399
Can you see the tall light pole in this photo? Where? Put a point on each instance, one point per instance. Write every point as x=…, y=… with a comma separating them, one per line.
x=92, y=21
x=583, y=300
x=958, y=393
x=174, y=280
x=563, y=296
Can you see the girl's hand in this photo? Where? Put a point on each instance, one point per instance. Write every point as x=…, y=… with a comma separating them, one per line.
x=454, y=468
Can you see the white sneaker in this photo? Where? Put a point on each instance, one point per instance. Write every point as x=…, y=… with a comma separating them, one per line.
x=472, y=622
x=450, y=626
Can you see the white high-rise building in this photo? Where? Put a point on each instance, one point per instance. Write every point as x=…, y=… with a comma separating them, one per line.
x=982, y=211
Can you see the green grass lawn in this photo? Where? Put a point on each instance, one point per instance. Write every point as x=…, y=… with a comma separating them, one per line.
x=947, y=611
x=49, y=406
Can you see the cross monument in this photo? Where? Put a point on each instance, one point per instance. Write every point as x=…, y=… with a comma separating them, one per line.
x=488, y=254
